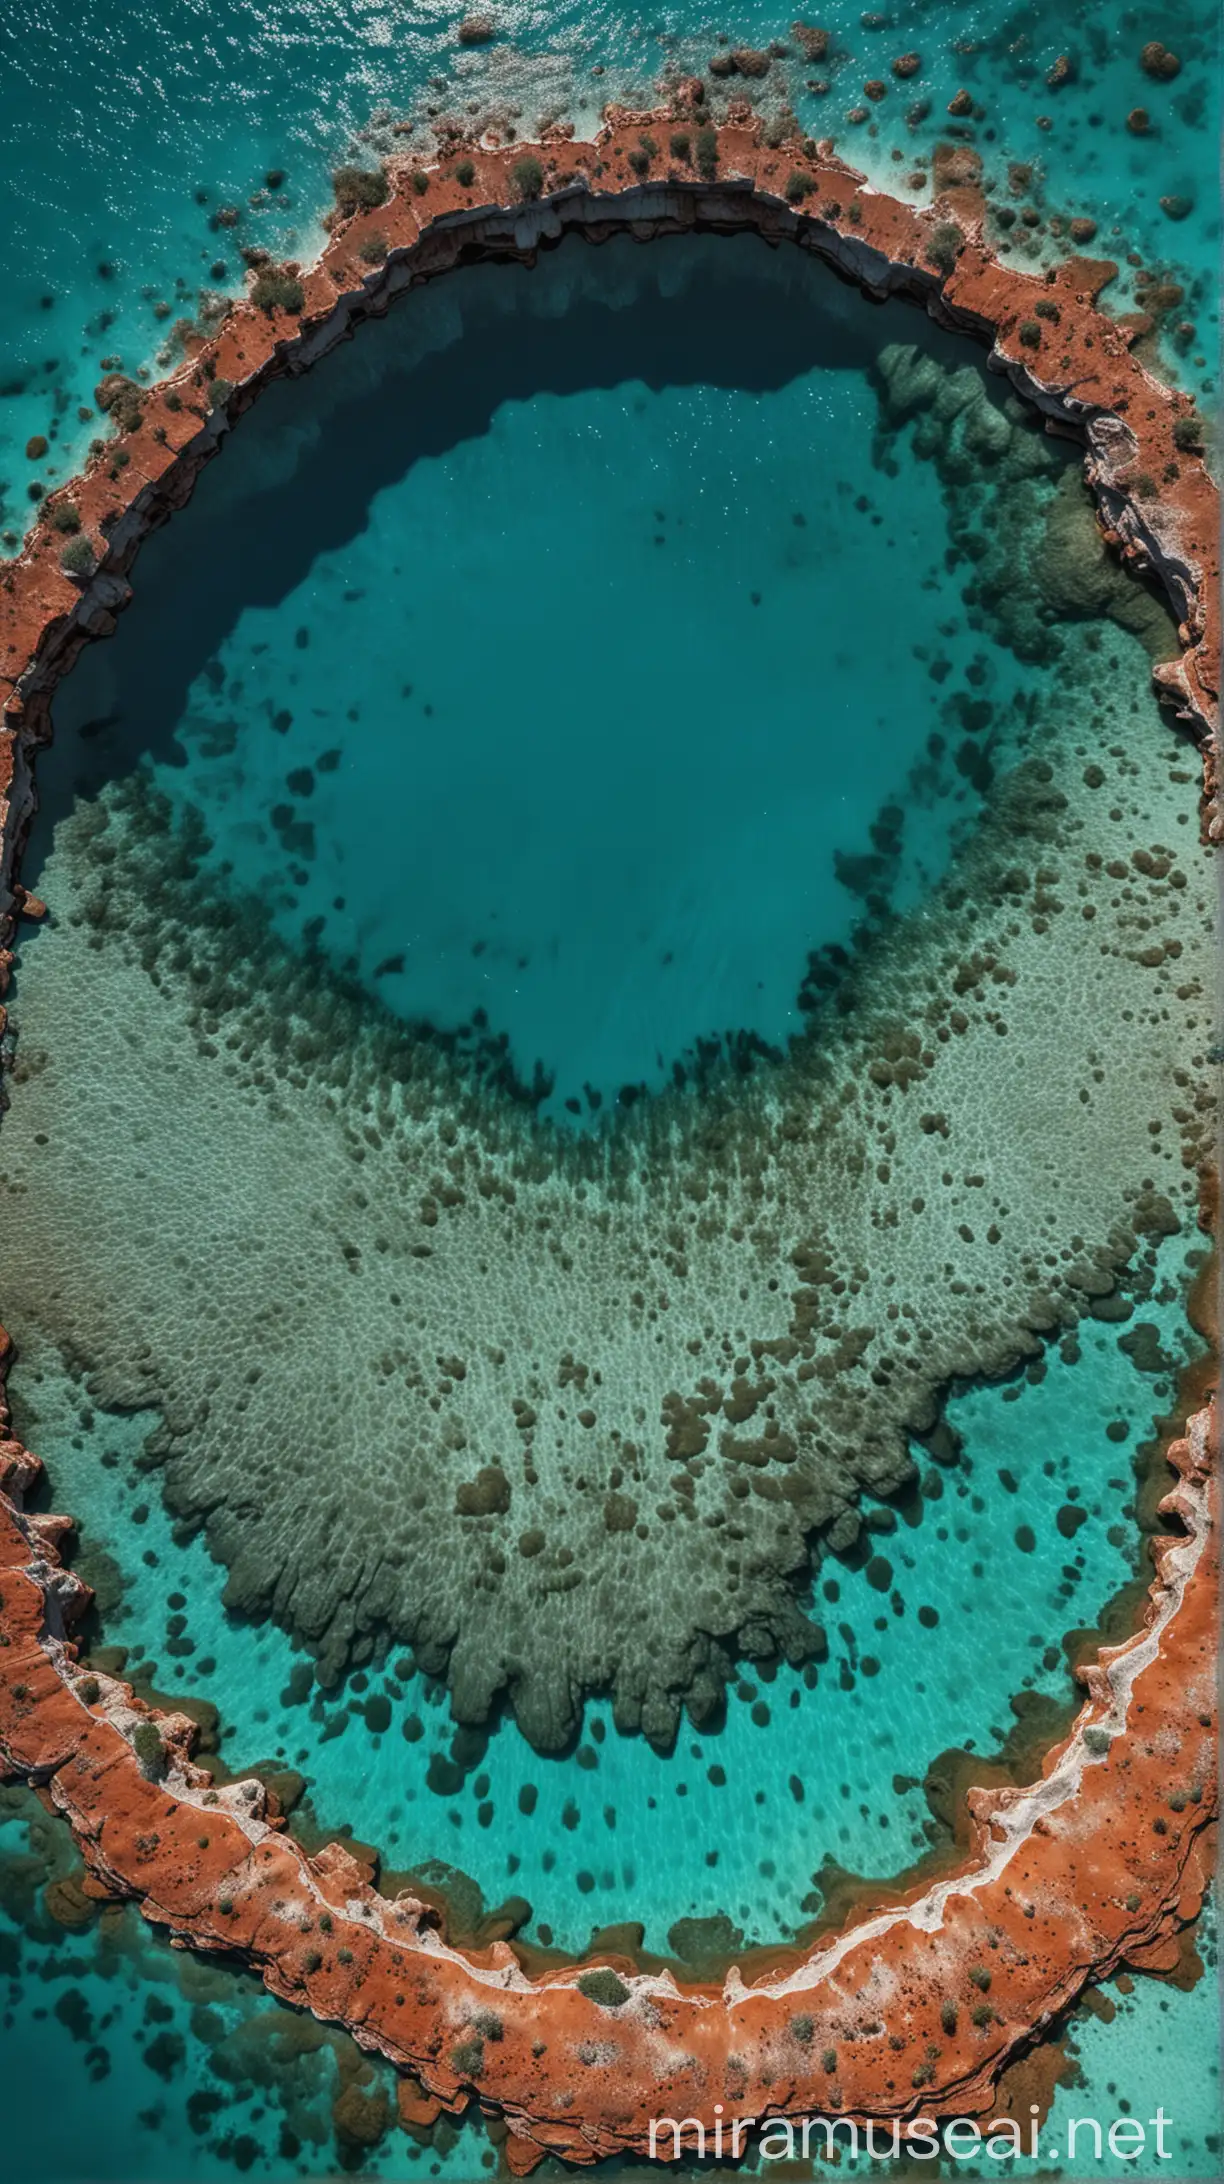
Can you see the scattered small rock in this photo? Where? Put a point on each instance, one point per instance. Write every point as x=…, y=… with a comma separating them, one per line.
x=1156, y=60
x=812, y=42
x=955, y=167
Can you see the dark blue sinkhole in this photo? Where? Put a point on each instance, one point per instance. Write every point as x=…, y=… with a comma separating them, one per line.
x=562, y=660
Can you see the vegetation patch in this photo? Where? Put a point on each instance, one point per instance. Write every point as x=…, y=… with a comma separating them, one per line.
x=527, y=179
x=604, y=1987
x=277, y=290
x=359, y=189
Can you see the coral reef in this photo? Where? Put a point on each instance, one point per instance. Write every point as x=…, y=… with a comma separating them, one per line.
x=563, y=1416
x=612, y=1482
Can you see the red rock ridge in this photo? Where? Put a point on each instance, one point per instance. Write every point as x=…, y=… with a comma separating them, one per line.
x=916, y=2008
x=1064, y=355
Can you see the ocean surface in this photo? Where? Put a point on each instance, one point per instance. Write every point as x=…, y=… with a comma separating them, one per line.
x=396, y=651
x=126, y=131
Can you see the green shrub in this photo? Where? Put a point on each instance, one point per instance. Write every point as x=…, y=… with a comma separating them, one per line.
x=1030, y=333
x=146, y=1739
x=120, y=398
x=465, y=174
x=680, y=145
x=488, y=2024
x=225, y=1905
x=527, y=178
x=707, y=152
x=173, y=400
x=359, y=189
x=828, y=2061
x=945, y=246
x=798, y=186
x=640, y=162
x=854, y=211
x=219, y=393
x=90, y=1690
x=374, y=249
x=314, y=1960
x=468, y=2058
x=1097, y=1741
x=65, y=518
x=1188, y=435
x=948, y=2018
x=77, y=559
x=803, y=2030
x=325, y=1922
x=344, y=1956
x=276, y=290
x=604, y=1987
x=1144, y=486
x=420, y=182
x=1047, y=309
x=980, y=1977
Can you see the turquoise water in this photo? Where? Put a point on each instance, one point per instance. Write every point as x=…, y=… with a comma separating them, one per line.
x=167, y=2067
x=687, y=785
x=125, y=130
x=961, y=1605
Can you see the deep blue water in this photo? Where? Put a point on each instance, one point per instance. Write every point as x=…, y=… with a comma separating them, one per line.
x=534, y=686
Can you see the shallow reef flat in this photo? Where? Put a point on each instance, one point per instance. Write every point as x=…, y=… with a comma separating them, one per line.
x=1006, y=1552
x=562, y=1411
x=562, y=1414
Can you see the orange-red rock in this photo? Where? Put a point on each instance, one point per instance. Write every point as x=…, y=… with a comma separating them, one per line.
x=1098, y=1864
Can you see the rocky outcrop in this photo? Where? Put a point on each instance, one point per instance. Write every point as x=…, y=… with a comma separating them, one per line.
x=914, y=2008
x=651, y=173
